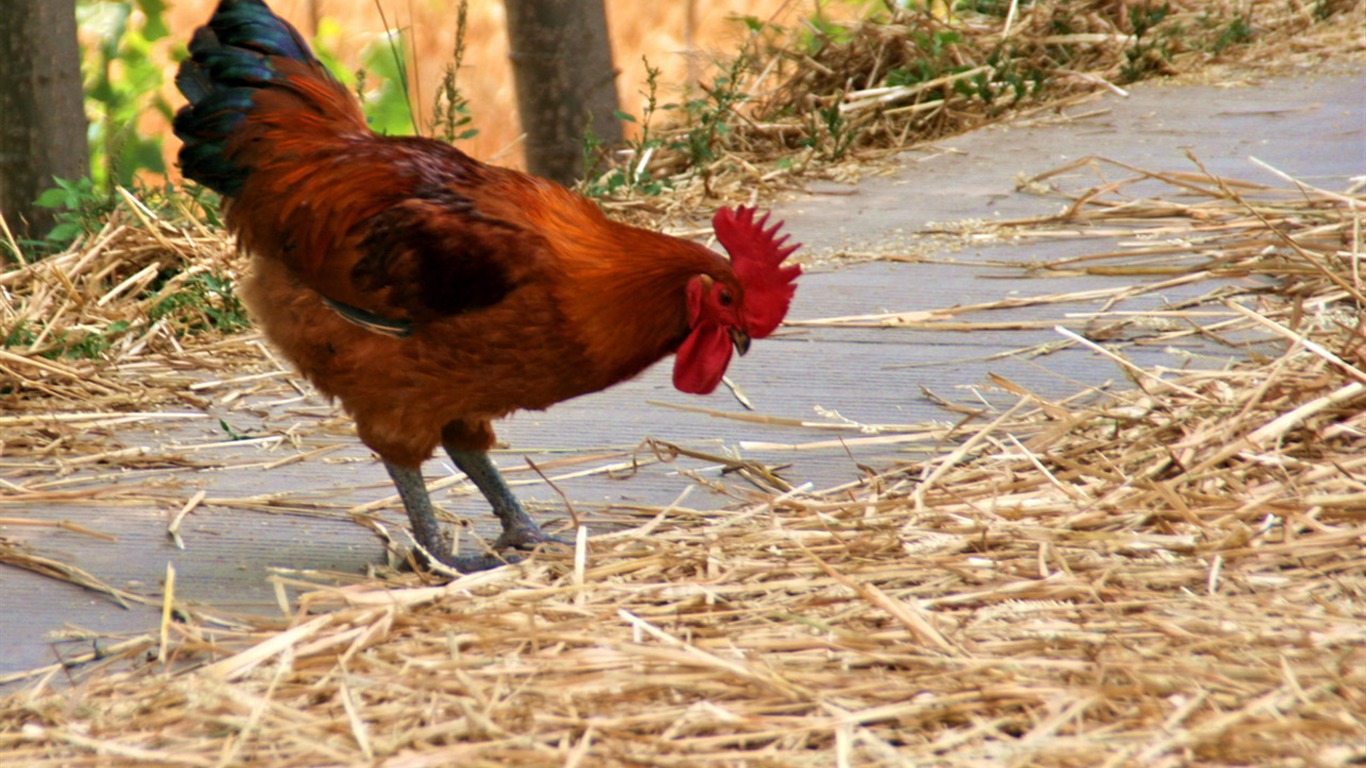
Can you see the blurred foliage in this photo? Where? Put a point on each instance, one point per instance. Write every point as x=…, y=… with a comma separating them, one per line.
x=380, y=83
x=948, y=57
x=801, y=96
x=122, y=83
x=385, y=101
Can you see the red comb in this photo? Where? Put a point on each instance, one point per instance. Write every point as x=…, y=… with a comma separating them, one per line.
x=756, y=255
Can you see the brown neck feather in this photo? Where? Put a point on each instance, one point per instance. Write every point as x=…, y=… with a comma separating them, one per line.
x=626, y=291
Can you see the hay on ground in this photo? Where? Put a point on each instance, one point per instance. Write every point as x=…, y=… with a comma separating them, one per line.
x=1171, y=574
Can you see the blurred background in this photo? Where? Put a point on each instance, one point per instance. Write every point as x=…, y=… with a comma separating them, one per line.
x=134, y=44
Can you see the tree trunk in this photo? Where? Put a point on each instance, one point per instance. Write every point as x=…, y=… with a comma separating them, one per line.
x=562, y=60
x=42, y=114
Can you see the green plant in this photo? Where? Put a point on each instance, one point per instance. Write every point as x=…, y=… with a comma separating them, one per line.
x=758, y=26
x=205, y=301
x=1238, y=32
x=232, y=432
x=936, y=59
x=381, y=82
x=327, y=39
x=93, y=344
x=708, y=116
x=634, y=174
x=123, y=83
x=386, y=104
x=19, y=336
x=997, y=8
x=198, y=202
x=80, y=209
x=451, y=110
x=1150, y=51
x=83, y=343
x=827, y=132
x=202, y=302
x=940, y=57
x=818, y=32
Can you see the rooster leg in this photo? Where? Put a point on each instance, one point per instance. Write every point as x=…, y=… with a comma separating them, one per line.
x=412, y=489
x=519, y=530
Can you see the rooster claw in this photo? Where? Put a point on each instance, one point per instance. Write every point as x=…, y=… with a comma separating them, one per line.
x=517, y=538
x=526, y=538
x=421, y=560
x=476, y=563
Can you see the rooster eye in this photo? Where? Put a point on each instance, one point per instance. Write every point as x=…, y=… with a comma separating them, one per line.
x=724, y=297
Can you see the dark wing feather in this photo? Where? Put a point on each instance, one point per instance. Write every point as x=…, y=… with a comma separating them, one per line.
x=437, y=255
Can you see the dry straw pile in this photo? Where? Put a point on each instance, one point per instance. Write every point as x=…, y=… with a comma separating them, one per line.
x=1169, y=574
x=816, y=97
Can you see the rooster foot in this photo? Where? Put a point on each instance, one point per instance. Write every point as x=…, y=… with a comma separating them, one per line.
x=475, y=563
x=420, y=560
x=526, y=537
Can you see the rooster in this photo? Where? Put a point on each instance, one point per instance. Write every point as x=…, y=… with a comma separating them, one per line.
x=432, y=294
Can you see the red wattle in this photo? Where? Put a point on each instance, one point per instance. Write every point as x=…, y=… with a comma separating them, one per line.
x=702, y=360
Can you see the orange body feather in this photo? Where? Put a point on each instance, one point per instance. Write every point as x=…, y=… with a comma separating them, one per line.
x=431, y=293
x=586, y=302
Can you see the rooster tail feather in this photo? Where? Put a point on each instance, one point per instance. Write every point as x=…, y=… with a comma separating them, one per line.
x=243, y=52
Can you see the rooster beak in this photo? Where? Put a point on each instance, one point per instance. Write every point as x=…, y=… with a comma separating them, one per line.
x=740, y=339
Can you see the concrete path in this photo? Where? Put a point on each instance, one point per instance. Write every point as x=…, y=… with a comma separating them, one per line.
x=1313, y=127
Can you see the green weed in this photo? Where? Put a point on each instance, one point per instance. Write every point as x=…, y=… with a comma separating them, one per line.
x=20, y=336
x=817, y=33
x=70, y=344
x=828, y=134
x=1150, y=51
x=80, y=209
x=386, y=102
x=204, y=302
x=451, y=110
x=605, y=179
x=1236, y=32
x=381, y=83
x=707, y=117
x=702, y=127
x=122, y=83
x=231, y=432
x=93, y=344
